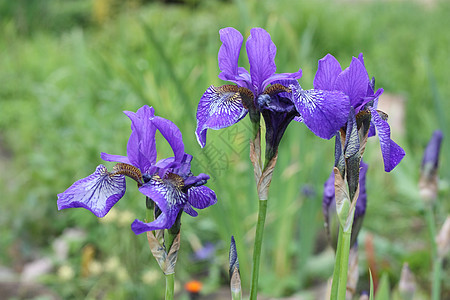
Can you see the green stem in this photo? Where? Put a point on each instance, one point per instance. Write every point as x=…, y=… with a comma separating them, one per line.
x=335, y=281
x=437, y=263
x=437, y=278
x=257, y=248
x=343, y=264
x=170, y=284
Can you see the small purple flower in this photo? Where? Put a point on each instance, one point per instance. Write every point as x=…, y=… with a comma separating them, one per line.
x=355, y=83
x=168, y=182
x=329, y=205
x=278, y=97
x=430, y=160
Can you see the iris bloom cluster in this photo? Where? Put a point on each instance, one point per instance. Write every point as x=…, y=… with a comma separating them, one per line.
x=355, y=83
x=168, y=182
x=277, y=96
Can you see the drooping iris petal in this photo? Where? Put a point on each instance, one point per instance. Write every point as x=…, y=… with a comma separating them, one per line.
x=261, y=53
x=161, y=222
x=392, y=153
x=229, y=55
x=353, y=81
x=219, y=107
x=169, y=198
x=327, y=72
x=201, y=197
x=98, y=192
x=323, y=112
x=172, y=134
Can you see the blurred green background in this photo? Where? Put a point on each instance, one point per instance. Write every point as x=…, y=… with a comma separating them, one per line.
x=69, y=68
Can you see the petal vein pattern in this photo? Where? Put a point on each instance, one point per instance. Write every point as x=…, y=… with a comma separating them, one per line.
x=98, y=192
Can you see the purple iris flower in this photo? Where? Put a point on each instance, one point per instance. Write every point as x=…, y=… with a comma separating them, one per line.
x=168, y=182
x=329, y=206
x=355, y=83
x=430, y=160
x=258, y=90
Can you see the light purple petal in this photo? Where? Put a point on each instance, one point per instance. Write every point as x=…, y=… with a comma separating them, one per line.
x=353, y=81
x=392, y=153
x=97, y=193
x=201, y=197
x=261, y=53
x=327, y=72
x=323, y=112
x=218, y=108
x=141, y=148
x=162, y=222
x=115, y=158
x=282, y=77
x=229, y=56
x=172, y=134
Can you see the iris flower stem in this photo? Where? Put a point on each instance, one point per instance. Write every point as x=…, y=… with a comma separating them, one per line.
x=335, y=281
x=257, y=248
x=170, y=284
x=343, y=264
x=437, y=263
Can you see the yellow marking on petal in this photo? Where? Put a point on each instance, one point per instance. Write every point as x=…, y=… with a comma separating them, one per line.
x=176, y=180
x=127, y=170
x=275, y=89
x=383, y=115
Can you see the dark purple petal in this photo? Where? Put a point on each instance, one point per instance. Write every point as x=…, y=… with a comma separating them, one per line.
x=219, y=107
x=328, y=193
x=323, y=112
x=353, y=81
x=98, y=192
x=261, y=53
x=431, y=154
x=172, y=134
x=201, y=197
x=327, y=72
x=189, y=210
x=392, y=153
x=229, y=55
x=361, y=204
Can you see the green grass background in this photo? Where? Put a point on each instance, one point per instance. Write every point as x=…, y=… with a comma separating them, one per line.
x=69, y=68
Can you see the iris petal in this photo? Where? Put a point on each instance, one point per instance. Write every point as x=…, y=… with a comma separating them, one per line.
x=229, y=55
x=323, y=112
x=353, y=81
x=141, y=147
x=201, y=197
x=392, y=153
x=218, y=108
x=172, y=134
x=261, y=53
x=97, y=193
x=327, y=72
